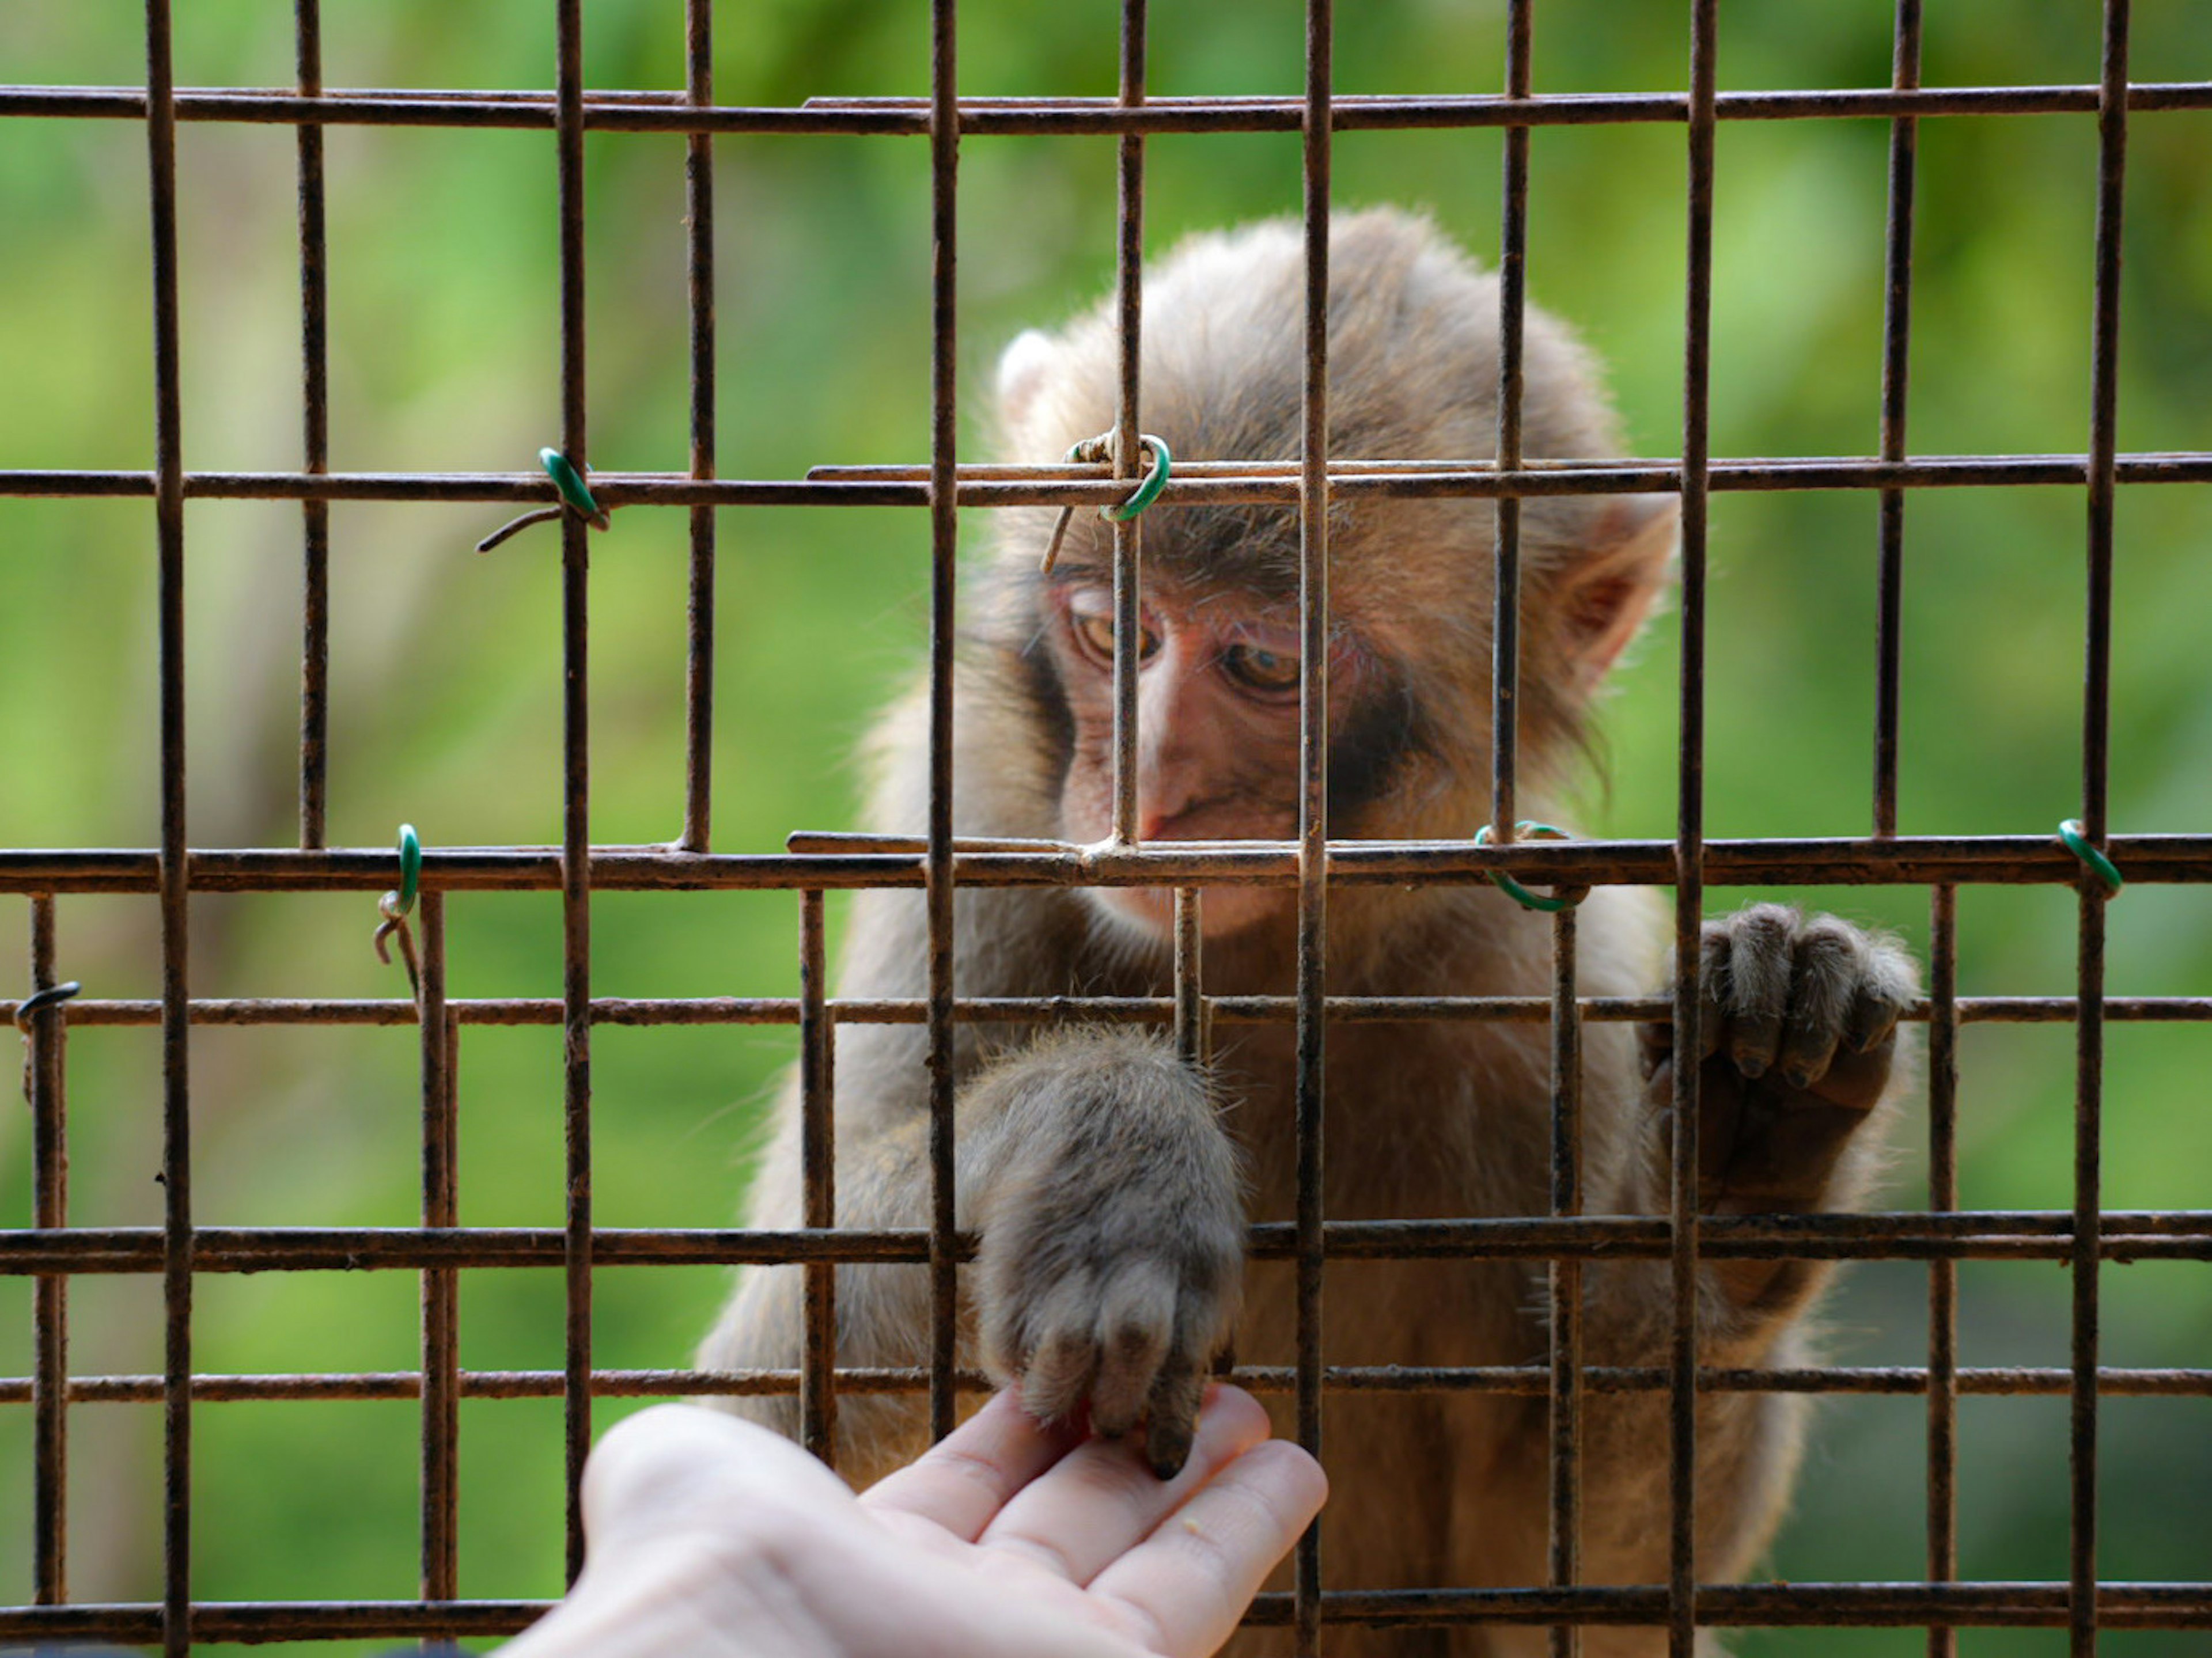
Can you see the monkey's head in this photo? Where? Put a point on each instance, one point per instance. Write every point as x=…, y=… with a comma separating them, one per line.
x=1413, y=366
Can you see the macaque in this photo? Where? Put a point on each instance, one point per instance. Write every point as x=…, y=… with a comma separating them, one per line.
x=1110, y=1180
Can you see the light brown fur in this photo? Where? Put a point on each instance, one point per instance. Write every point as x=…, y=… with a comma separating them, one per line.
x=1423, y=1118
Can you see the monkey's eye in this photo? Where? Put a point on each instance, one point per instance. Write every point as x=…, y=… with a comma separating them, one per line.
x=1094, y=633
x=1259, y=669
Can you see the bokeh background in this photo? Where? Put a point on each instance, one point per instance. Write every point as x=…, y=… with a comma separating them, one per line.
x=446, y=683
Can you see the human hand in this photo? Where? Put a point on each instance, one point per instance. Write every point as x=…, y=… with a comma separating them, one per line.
x=714, y=1538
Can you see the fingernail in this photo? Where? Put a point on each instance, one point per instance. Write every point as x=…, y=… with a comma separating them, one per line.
x=1798, y=1076
x=1750, y=1062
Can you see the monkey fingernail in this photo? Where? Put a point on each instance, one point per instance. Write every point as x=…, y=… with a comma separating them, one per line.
x=1751, y=1061
x=1798, y=1076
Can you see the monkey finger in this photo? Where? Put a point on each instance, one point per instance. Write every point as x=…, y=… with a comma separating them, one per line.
x=1135, y=1318
x=1172, y=1420
x=1713, y=955
x=1757, y=993
x=1063, y=1355
x=1888, y=985
x=1856, y=1081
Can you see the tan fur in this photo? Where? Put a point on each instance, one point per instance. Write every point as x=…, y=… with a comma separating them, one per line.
x=1423, y=1120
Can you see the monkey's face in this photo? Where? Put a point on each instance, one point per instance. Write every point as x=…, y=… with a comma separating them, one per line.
x=1217, y=751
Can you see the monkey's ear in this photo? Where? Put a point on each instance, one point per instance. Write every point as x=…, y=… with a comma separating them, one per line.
x=1617, y=579
x=1024, y=370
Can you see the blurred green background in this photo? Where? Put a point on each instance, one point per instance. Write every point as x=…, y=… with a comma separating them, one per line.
x=445, y=682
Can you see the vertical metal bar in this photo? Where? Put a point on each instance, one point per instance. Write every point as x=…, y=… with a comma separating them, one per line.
x=48, y=1033
x=2096, y=735
x=1192, y=1037
x=1896, y=362
x=1313, y=797
x=439, y=1035
x=944, y=542
x=315, y=426
x=817, y=1396
x=1567, y=1276
x=175, y=892
x=1689, y=838
x=1943, y=1274
x=699, y=203
x=576, y=825
x=1130, y=288
x=1512, y=311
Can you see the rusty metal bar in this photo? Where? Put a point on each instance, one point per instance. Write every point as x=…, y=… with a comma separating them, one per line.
x=1689, y=838
x=1313, y=785
x=1896, y=362
x=1028, y=1009
x=1902, y=1235
x=1506, y=1379
x=440, y=1480
x=699, y=216
x=1127, y=449
x=1917, y=861
x=1565, y=1382
x=2096, y=737
x=1943, y=1275
x=1193, y=1013
x=817, y=1158
x=615, y=111
x=1505, y=552
x=576, y=757
x=1991, y=1605
x=44, y=1074
x=1199, y=483
x=944, y=555
x=176, y=1632
x=315, y=441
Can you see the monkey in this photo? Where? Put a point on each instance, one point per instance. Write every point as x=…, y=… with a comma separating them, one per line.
x=1111, y=1181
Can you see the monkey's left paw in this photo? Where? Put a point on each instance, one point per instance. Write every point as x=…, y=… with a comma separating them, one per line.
x=1798, y=1018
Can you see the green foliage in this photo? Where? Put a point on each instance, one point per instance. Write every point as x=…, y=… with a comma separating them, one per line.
x=447, y=683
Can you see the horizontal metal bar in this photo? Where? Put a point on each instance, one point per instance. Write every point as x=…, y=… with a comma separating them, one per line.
x=986, y=116
x=1776, y=1605
x=1194, y=485
x=1030, y=1009
x=1992, y=1605
x=1513, y=1379
x=1888, y=1235
x=1906, y=861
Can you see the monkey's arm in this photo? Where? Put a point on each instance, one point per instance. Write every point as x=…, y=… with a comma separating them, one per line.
x=1096, y=1168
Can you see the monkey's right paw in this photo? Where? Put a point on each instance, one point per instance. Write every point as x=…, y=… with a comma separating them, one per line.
x=1112, y=1260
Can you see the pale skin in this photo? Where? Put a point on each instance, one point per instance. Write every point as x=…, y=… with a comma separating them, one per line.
x=1111, y=1181
x=716, y=1538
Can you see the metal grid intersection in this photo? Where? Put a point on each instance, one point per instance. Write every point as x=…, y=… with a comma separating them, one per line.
x=51, y=1252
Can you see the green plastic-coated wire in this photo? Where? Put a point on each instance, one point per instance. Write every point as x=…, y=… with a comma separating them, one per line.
x=1512, y=888
x=570, y=483
x=2077, y=842
x=1149, y=490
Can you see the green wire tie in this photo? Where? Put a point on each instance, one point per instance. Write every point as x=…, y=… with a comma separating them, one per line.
x=2077, y=842
x=394, y=906
x=570, y=483
x=1101, y=448
x=1512, y=888
x=575, y=497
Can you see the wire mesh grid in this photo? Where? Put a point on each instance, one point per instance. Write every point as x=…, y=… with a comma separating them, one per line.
x=180, y=1251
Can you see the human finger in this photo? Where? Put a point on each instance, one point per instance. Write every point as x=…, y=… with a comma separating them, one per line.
x=1182, y=1590
x=1101, y=1498
x=964, y=1479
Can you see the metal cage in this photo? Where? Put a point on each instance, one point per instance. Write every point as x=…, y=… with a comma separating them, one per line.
x=181, y=1251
